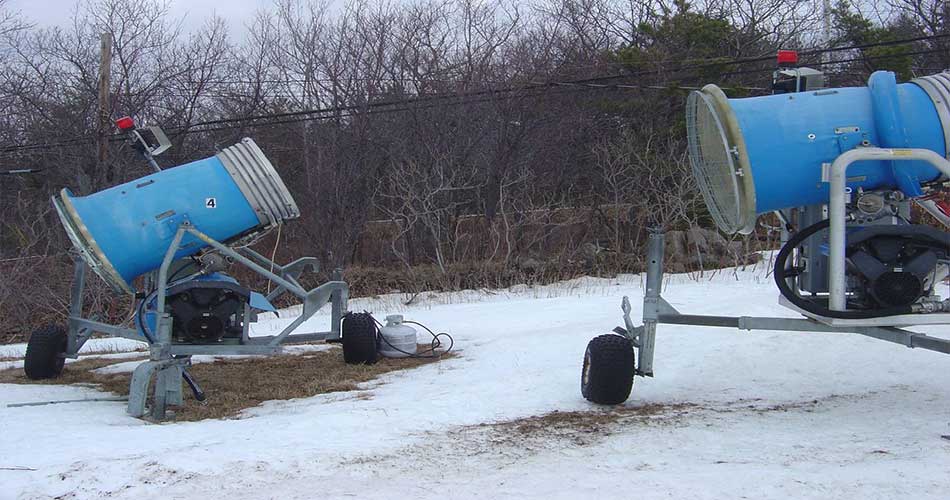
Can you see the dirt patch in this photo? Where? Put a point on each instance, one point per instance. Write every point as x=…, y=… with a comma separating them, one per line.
x=235, y=385
x=759, y=406
x=511, y=441
x=588, y=421
x=580, y=427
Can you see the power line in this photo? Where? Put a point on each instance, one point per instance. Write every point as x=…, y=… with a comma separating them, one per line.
x=21, y=171
x=582, y=81
x=380, y=107
x=855, y=59
x=351, y=113
x=684, y=65
x=495, y=93
x=771, y=57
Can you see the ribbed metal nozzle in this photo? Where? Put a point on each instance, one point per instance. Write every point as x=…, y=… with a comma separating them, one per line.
x=258, y=181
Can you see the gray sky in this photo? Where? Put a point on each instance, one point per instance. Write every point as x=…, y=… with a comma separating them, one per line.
x=194, y=12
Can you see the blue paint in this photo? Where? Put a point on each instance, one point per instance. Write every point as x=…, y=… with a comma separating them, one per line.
x=259, y=301
x=134, y=223
x=786, y=161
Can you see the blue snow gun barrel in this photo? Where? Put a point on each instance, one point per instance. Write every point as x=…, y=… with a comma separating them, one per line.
x=755, y=155
x=124, y=231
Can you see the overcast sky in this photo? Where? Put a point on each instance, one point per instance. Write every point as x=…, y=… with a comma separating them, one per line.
x=194, y=12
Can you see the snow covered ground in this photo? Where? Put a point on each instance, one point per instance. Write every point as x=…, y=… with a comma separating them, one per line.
x=735, y=415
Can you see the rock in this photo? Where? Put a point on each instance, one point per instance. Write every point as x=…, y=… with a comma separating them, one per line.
x=530, y=265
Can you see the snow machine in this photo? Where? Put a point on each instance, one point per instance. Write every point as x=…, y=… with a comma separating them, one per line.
x=168, y=239
x=840, y=168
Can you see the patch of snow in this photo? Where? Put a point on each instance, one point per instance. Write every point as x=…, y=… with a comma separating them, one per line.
x=129, y=366
x=4, y=365
x=92, y=346
x=764, y=415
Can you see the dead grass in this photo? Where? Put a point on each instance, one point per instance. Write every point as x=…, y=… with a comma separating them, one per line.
x=599, y=421
x=79, y=372
x=232, y=386
x=603, y=421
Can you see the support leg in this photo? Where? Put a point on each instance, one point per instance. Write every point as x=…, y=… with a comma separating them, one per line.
x=338, y=306
x=75, y=338
x=167, y=372
x=652, y=303
x=168, y=384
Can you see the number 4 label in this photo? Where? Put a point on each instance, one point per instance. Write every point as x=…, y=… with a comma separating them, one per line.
x=211, y=203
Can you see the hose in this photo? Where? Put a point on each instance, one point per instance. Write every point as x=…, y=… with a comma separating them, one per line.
x=780, y=274
x=433, y=346
x=193, y=384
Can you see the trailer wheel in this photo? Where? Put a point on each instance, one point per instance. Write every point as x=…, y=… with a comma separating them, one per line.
x=607, y=375
x=359, y=339
x=44, y=353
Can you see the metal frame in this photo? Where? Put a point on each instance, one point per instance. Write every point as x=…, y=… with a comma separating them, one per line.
x=168, y=361
x=658, y=311
x=837, y=238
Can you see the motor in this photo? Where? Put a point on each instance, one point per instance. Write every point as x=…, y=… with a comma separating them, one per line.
x=896, y=266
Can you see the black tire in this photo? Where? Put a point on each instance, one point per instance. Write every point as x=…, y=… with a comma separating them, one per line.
x=44, y=353
x=607, y=375
x=359, y=339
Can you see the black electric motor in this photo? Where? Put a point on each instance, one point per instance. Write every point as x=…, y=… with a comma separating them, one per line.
x=207, y=311
x=895, y=265
x=889, y=269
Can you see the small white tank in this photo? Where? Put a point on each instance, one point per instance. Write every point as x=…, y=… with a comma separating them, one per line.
x=397, y=337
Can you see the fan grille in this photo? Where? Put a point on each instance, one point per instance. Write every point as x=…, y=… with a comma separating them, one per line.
x=713, y=165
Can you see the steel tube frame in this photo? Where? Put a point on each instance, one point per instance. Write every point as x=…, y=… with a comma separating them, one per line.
x=80, y=329
x=336, y=292
x=168, y=361
x=837, y=238
x=657, y=311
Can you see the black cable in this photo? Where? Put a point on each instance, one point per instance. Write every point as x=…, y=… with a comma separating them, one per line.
x=580, y=87
x=494, y=92
x=193, y=384
x=843, y=61
x=436, y=343
x=780, y=273
x=170, y=282
x=21, y=171
x=426, y=354
x=684, y=65
x=139, y=318
x=346, y=113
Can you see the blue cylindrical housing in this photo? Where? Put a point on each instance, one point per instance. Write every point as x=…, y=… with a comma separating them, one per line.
x=124, y=231
x=776, y=145
x=789, y=136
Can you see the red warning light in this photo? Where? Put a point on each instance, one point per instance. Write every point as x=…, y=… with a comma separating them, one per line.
x=787, y=58
x=125, y=123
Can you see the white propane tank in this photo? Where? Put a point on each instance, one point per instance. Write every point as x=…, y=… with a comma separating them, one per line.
x=397, y=337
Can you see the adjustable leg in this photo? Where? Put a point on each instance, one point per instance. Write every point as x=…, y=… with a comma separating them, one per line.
x=166, y=370
x=75, y=336
x=652, y=303
x=168, y=383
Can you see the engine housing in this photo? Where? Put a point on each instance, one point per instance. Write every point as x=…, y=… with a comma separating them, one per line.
x=895, y=265
x=207, y=310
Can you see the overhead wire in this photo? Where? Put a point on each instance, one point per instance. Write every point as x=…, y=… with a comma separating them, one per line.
x=488, y=94
x=593, y=80
x=683, y=65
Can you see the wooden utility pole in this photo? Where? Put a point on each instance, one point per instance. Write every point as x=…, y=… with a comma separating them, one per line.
x=105, y=114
